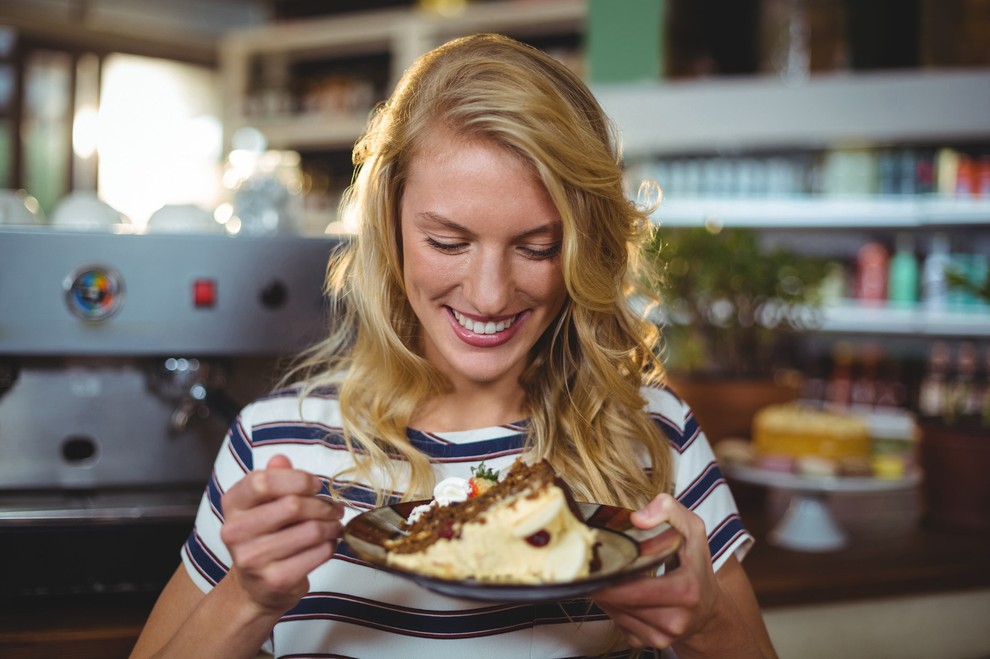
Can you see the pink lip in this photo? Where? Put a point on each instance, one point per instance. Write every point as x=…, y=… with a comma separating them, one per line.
x=484, y=340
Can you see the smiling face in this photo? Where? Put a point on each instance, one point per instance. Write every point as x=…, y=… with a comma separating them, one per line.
x=480, y=242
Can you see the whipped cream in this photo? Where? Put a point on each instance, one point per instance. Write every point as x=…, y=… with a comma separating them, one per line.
x=450, y=490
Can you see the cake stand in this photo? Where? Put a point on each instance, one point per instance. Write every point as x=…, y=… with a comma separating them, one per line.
x=808, y=523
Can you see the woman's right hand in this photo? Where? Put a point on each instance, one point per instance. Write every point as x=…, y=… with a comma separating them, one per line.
x=277, y=532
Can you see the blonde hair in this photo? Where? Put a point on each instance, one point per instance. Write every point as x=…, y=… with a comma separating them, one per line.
x=583, y=386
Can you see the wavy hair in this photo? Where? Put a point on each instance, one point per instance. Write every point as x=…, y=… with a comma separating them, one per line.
x=582, y=387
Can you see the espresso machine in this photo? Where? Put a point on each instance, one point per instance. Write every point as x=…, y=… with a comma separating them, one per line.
x=124, y=357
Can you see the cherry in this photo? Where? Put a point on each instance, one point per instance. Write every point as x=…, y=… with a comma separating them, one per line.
x=539, y=539
x=447, y=530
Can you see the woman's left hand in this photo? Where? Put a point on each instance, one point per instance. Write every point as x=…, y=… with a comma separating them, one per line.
x=701, y=613
x=657, y=611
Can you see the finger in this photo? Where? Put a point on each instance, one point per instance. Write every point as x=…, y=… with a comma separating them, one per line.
x=665, y=508
x=271, y=516
x=279, y=462
x=266, y=485
x=639, y=632
x=287, y=543
x=675, y=589
x=655, y=512
x=286, y=575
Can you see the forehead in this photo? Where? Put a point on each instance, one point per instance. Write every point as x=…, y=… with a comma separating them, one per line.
x=470, y=178
x=441, y=145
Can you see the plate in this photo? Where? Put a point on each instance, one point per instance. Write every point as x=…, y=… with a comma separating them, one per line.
x=802, y=483
x=625, y=551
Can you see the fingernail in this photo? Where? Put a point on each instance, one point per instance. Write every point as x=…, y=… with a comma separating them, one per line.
x=644, y=517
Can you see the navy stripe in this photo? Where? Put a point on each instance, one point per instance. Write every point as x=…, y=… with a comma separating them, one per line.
x=680, y=438
x=488, y=448
x=214, y=495
x=327, y=392
x=725, y=535
x=618, y=654
x=279, y=394
x=701, y=487
x=315, y=655
x=240, y=446
x=469, y=623
x=681, y=433
x=357, y=494
x=691, y=431
x=294, y=433
x=206, y=563
x=438, y=450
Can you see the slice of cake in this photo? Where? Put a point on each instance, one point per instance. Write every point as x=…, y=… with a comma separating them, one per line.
x=523, y=528
x=799, y=431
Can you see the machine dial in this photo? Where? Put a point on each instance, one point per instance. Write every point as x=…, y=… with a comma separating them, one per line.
x=94, y=292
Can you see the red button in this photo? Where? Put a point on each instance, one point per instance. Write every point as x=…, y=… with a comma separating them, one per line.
x=204, y=293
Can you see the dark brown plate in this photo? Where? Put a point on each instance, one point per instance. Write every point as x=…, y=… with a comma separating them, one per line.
x=625, y=551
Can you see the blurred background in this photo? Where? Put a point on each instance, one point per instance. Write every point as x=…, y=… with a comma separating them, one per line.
x=824, y=231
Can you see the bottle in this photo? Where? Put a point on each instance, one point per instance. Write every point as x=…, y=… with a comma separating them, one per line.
x=933, y=389
x=984, y=405
x=864, y=389
x=934, y=281
x=891, y=390
x=871, y=273
x=961, y=403
x=902, y=281
x=838, y=389
x=966, y=180
x=925, y=173
x=983, y=176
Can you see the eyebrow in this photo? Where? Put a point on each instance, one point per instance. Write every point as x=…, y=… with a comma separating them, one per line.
x=549, y=228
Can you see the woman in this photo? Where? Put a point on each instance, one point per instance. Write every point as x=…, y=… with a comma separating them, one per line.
x=482, y=313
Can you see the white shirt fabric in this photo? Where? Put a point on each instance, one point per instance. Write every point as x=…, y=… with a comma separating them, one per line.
x=356, y=610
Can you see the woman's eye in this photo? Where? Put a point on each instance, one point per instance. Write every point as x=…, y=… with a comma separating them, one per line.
x=442, y=246
x=542, y=252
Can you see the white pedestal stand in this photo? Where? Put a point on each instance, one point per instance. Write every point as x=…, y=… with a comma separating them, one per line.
x=808, y=523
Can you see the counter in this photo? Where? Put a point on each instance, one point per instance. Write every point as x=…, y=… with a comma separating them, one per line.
x=893, y=553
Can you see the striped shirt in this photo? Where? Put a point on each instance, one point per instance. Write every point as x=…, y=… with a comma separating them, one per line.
x=355, y=610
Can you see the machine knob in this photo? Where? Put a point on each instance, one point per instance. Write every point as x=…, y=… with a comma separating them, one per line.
x=274, y=295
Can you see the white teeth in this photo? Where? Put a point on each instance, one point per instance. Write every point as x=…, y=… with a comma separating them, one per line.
x=481, y=327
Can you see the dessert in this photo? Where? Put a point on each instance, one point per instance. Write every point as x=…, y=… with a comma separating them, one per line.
x=523, y=529
x=798, y=431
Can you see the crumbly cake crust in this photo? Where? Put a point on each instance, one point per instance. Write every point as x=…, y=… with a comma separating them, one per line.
x=445, y=521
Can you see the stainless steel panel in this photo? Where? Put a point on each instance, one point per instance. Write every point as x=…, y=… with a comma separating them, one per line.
x=268, y=293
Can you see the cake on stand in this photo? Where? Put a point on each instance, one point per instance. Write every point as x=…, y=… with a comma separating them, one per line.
x=808, y=523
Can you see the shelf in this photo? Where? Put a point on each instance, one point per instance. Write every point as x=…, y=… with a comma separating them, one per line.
x=852, y=317
x=715, y=115
x=858, y=318
x=309, y=131
x=380, y=30
x=748, y=113
x=825, y=212
x=401, y=33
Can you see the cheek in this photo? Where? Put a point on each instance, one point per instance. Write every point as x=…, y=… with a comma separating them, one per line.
x=547, y=284
x=423, y=270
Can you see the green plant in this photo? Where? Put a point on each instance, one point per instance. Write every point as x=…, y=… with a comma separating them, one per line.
x=728, y=304
x=962, y=282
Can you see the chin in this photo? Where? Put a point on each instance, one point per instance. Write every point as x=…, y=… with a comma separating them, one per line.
x=482, y=374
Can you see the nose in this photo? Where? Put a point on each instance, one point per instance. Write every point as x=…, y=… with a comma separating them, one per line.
x=489, y=282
